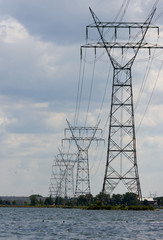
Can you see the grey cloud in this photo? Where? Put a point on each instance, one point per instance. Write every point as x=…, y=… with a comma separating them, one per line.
x=43, y=68
x=64, y=21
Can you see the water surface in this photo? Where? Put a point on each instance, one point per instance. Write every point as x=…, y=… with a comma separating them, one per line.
x=54, y=223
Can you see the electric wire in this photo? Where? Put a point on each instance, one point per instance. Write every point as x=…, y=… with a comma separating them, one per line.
x=79, y=94
x=158, y=16
x=145, y=79
x=125, y=9
x=126, y=51
x=78, y=91
x=90, y=94
x=103, y=98
x=114, y=20
x=81, y=79
x=150, y=98
x=104, y=95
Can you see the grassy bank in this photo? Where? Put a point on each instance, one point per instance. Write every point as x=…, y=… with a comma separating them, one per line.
x=121, y=207
x=91, y=207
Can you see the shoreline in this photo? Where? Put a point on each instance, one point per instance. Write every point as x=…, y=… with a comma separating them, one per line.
x=91, y=207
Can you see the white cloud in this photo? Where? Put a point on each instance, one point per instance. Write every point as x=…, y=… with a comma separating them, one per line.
x=11, y=31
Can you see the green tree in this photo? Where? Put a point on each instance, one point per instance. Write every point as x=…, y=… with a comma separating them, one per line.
x=84, y=200
x=81, y=200
x=70, y=202
x=130, y=199
x=34, y=200
x=59, y=201
x=49, y=201
x=89, y=198
x=104, y=198
x=117, y=199
x=145, y=202
x=14, y=202
x=41, y=202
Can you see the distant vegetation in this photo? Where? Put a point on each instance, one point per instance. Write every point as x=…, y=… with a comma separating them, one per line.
x=37, y=201
x=34, y=200
x=127, y=201
x=159, y=201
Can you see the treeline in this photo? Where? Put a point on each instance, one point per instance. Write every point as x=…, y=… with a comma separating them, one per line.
x=127, y=199
x=100, y=201
x=35, y=200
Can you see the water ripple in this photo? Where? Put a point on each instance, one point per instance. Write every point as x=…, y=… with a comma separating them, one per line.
x=75, y=224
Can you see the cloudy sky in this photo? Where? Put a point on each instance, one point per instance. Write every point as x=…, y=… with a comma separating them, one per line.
x=39, y=75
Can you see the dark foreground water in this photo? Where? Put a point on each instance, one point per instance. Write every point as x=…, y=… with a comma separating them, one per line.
x=28, y=223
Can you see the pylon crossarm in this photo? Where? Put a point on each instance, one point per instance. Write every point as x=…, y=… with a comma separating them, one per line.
x=67, y=157
x=113, y=61
x=140, y=43
x=132, y=45
x=83, y=137
x=100, y=26
x=117, y=25
x=86, y=129
x=72, y=132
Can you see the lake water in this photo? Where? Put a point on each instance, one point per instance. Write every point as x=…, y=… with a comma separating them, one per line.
x=46, y=223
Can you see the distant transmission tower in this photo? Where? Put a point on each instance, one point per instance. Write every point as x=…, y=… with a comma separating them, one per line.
x=62, y=180
x=121, y=163
x=83, y=137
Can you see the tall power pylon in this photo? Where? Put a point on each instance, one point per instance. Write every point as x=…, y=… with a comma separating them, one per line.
x=121, y=163
x=83, y=137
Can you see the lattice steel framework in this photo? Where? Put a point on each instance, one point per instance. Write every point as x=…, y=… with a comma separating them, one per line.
x=62, y=180
x=83, y=137
x=121, y=163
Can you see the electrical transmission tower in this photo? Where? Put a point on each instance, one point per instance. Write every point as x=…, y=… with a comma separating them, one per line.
x=121, y=163
x=62, y=180
x=83, y=137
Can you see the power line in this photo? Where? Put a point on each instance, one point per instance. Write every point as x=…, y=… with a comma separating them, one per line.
x=145, y=79
x=150, y=98
x=90, y=94
x=80, y=88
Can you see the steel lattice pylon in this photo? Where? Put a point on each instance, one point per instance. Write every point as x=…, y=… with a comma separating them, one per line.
x=62, y=180
x=121, y=155
x=83, y=137
x=121, y=163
